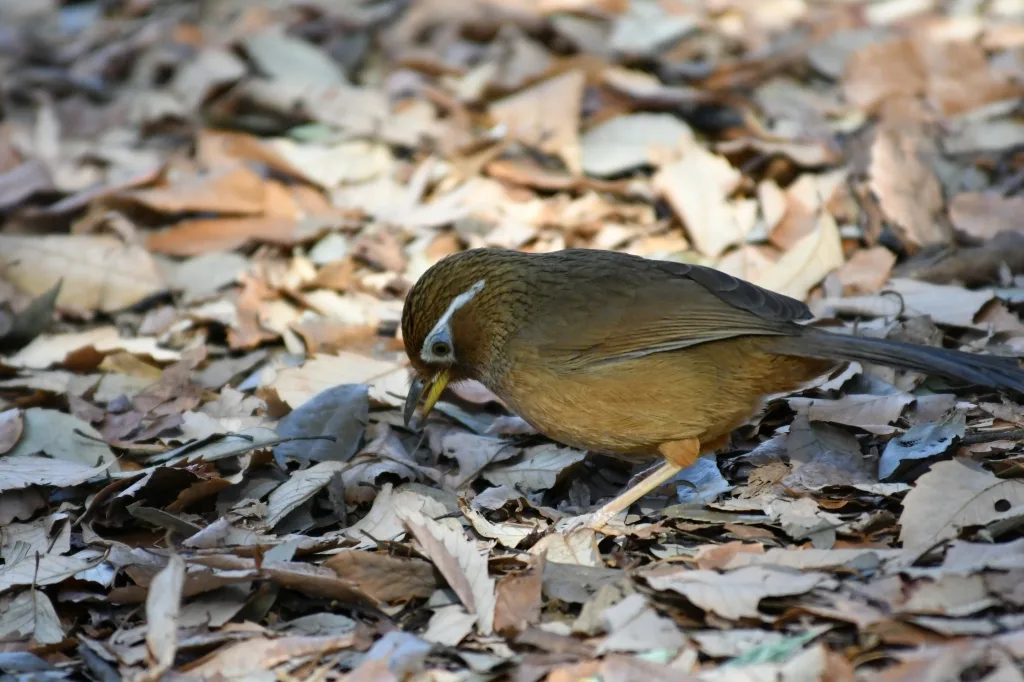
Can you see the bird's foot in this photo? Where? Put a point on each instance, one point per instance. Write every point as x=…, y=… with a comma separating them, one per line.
x=600, y=521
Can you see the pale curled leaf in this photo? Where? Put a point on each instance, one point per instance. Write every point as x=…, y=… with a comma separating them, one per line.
x=952, y=495
x=30, y=614
x=100, y=273
x=163, y=605
x=22, y=472
x=738, y=593
x=460, y=562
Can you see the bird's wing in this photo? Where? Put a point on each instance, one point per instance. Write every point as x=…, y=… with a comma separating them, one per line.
x=628, y=313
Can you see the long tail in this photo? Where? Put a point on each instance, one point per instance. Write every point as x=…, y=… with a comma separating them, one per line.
x=984, y=370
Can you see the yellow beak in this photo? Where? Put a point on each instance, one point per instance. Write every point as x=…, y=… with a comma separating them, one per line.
x=428, y=393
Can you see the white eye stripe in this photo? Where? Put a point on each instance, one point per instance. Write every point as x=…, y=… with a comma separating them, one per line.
x=442, y=333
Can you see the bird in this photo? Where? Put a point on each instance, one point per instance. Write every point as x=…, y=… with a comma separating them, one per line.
x=637, y=358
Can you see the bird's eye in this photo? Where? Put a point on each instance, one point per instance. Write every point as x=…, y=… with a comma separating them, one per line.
x=440, y=349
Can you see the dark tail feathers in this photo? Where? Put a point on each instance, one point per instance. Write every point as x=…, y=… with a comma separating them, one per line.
x=985, y=370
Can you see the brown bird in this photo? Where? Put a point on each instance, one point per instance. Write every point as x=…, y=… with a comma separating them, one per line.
x=632, y=357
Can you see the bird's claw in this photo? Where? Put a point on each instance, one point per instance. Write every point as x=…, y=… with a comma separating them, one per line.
x=597, y=521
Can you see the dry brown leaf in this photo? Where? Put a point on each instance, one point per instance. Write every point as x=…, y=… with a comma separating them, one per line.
x=388, y=381
x=163, y=605
x=982, y=216
x=211, y=235
x=874, y=413
x=867, y=271
x=546, y=116
x=518, y=600
x=231, y=191
x=47, y=350
x=237, y=661
x=807, y=262
x=697, y=187
x=100, y=273
x=460, y=562
x=11, y=426
x=906, y=187
x=633, y=625
x=385, y=577
x=952, y=495
x=735, y=594
x=950, y=305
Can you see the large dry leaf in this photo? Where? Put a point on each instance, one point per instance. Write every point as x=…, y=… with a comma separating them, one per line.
x=460, y=562
x=384, y=520
x=231, y=191
x=62, y=436
x=388, y=381
x=53, y=349
x=546, y=116
x=954, y=494
x=539, y=468
x=874, y=413
x=11, y=427
x=807, y=262
x=735, y=594
x=945, y=304
x=697, y=186
x=385, y=577
x=163, y=605
x=22, y=472
x=627, y=142
x=906, y=187
x=49, y=569
x=245, y=660
x=982, y=216
x=634, y=626
x=30, y=614
x=100, y=273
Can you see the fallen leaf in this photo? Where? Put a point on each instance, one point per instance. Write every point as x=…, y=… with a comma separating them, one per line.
x=546, y=116
x=518, y=599
x=30, y=614
x=954, y=494
x=921, y=442
x=245, y=659
x=735, y=594
x=297, y=385
x=100, y=273
x=873, y=413
x=342, y=411
x=626, y=142
x=538, y=469
x=163, y=606
x=461, y=564
x=385, y=577
x=982, y=216
x=633, y=625
x=47, y=350
x=62, y=437
x=11, y=428
x=697, y=186
x=867, y=270
x=807, y=263
x=291, y=59
x=906, y=187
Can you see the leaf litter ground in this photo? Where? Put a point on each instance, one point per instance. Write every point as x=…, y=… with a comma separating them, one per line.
x=211, y=214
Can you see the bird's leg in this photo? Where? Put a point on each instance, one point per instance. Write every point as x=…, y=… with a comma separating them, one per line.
x=678, y=455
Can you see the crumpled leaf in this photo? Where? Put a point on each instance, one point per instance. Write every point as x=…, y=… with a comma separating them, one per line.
x=461, y=564
x=342, y=411
x=952, y=495
x=920, y=442
x=99, y=272
x=734, y=594
x=539, y=468
x=163, y=606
